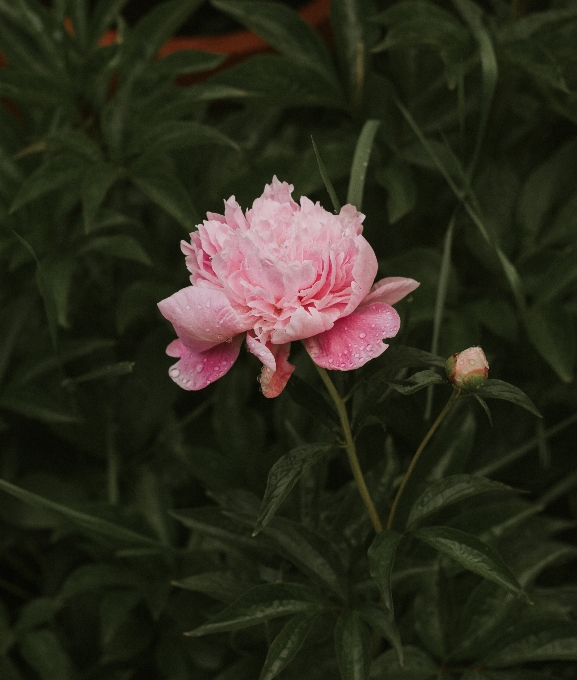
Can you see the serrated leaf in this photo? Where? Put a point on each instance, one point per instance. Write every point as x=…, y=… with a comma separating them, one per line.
x=259, y=604
x=53, y=174
x=282, y=477
x=537, y=641
x=382, y=622
x=352, y=643
x=119, y=245
x=471, y=553
x=416, y=382
x=498, y=389
x=381, y=560
x=287, y=644
x=451, y=490
x=167, y=191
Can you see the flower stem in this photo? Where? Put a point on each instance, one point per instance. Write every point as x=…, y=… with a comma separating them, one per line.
x=351, y=450
x=452, y=399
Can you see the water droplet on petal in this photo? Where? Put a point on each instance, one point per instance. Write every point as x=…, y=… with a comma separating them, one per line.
x=187, y=307
x=472, y=362
x=362, y=335
x=199, y=368
x=369, y=346
x=362, y=347
x=199, y=306
x=208, y=303
x=174, y=373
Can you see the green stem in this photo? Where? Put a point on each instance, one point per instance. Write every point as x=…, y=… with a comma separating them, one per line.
x=351, y=450
x=452, y=399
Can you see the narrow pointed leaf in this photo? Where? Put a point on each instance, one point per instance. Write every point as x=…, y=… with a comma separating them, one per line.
x=471, y=553
x=282, y=477
x=352, y=642
x=451, y=490
x=416, y=382
x=326, y=179
x=224, y=586
x=498, y=389
x=286, y=644
x=382, y=622
x=381, y=559
x=118, y=245
x=97, y=181
x=167, y=191
x=259, y=604
x=108, y=371
x=361, y=163
x=537, y=641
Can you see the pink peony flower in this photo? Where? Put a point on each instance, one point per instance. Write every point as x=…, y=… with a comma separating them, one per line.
x=279, y=273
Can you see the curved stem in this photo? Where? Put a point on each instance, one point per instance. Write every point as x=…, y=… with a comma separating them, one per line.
x=452, y=399
x=351, y=450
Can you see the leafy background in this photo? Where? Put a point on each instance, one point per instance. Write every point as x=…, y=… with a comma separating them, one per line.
x=128, y=504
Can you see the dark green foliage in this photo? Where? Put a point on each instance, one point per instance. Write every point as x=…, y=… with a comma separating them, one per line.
x=132, y=511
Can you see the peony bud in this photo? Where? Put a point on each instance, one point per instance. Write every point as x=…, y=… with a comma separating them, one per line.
x=468, y=369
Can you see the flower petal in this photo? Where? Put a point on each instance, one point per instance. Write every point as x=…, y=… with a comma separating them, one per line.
x=261, y=351
x=391, y=290
x=196, y=370
x=355, y=339
x=364, y=272
x=202, y=317
x=272, y=382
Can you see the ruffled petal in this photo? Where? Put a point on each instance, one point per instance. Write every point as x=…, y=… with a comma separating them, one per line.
x=272, y=382
x=355, y=339
x=261, y=351
x=364, y=271
x=390, y=290
x=196, y=370
x=202, y=317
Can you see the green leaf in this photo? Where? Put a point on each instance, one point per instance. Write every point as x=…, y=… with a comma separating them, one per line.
x=286, y=644
x=224, y=586
x=416, y=382
x=381, y=560
x=109, y=371
x=537, y=61
x=348, y=25
x=382, y=622
x=450, y=490
x=57, y=273
x=34, y=403
x=282, y=28
x=361, y=163
x=81, y=519
x=551, y=331
x=184, y=62
x=498, y=389
x=42, y=650
x=98, y=179
x=114, y=608
x=167, y=191
x=556, y=278
x=417, y=665
x=397, y=179
x=352, y=643
x=74, y=142
x=120, y=245
x=105, y=13
x=312, y=401
x=174, y=134
x=53, y=174
x=471, y=553
x=37, y=612
x=326, y=180
x=259, y=604
x=536, y=641
x=99, y=576
x=485, y=408
x=282, y=477
x=212, y=522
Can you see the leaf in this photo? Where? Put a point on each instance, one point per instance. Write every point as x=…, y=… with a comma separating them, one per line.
x=99, y=576
x=81, y=519
x=224, y=586
x=417, y=665
x=286, y=644
x=347, y=23
x=109, y=371
x=57, y=273
x=37, y=612
x=361, y=163
x=381, y=560
x=537, y=61
x=51, y=175
x=397, y=179
x=98, y=179
x=167, y=191
x=551, y=331
x=114, y=609
x=352, y=644
x=416, y=382
x=450, y=490
x=312, y=401
x=326, y=179
x=471, y=553
x=485, y=408
x=42, y=650
x=184, y=62
x=282, y=477
x=259, y=604
x=34, y=403
x=283, y=29
x=105, y=12
x=382, y=622
x=537, y=641
x=120, y=245
x=498, y=389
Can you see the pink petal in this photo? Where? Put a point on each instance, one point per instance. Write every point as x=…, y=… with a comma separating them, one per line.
x=202, y=317
x=354, y=339
x=391, y=290
x=261, y=351
x=196, y=370
x=364, y=272
x=272, y=382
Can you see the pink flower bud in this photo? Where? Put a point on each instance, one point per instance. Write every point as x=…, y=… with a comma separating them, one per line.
x=468, y=369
